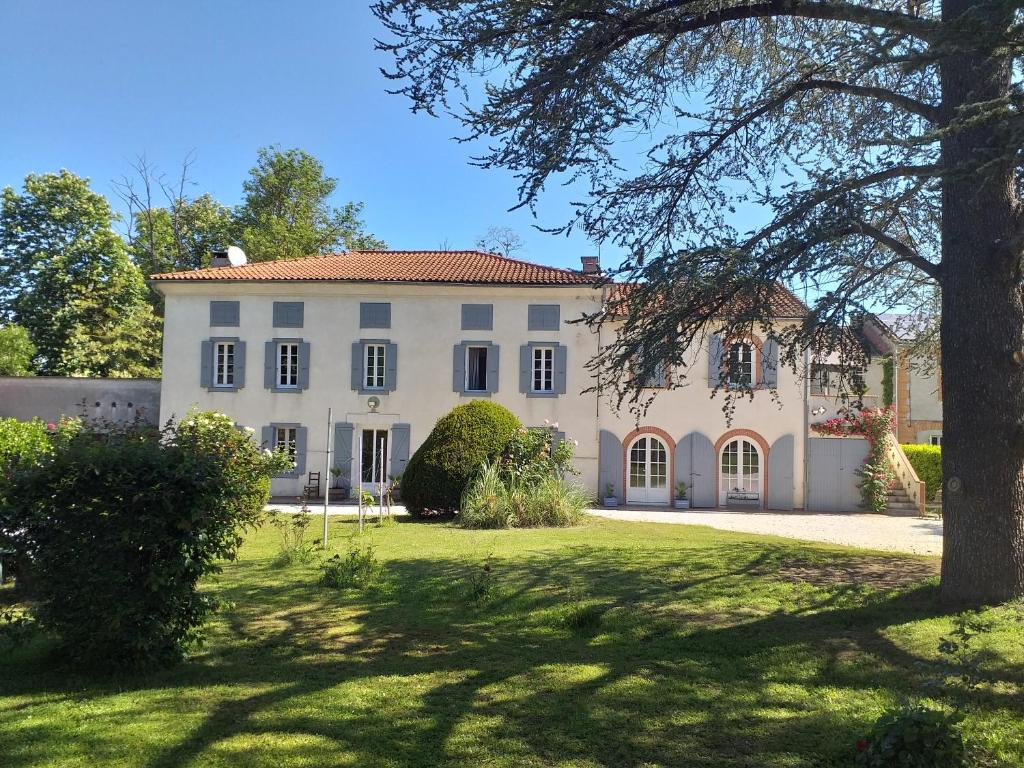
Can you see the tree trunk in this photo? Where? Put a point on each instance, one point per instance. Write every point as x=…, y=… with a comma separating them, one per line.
x=982, y=343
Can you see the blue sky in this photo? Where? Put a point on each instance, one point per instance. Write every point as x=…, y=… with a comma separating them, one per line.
x=90, y=85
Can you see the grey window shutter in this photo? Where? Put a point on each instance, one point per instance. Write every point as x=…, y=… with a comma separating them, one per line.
x=780, y=473
x=399, y=448
x=343, y=432
x=239, y=364
x=695, y=466
x=304, y=365
x=300, y=451
x=477, y=317
x=561, y=358
x=459, y=368
x=224, y=313
x=543, y=317
x=525, y=368
x=770, y=364
x=714, y=360
x=557, y=438
x=610, y=463
x=206, y=364
x=659, y=376
x=492, y=368
x=357, y=365
x=268, y=438
x=269, y=364
x=390, y=367
x=374, y=314
x=288, y=314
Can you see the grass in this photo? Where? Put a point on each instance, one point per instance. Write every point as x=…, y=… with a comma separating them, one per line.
x=702, y=648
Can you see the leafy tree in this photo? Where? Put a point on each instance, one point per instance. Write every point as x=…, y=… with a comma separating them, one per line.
x=66, y=277
x=880, y=140
x=16, y=351
x=286, y=214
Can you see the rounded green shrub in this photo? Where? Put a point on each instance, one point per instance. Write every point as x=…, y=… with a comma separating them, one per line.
x=462, y=441
x=927, y=462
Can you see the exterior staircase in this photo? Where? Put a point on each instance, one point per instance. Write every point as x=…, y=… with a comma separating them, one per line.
x=899, y=504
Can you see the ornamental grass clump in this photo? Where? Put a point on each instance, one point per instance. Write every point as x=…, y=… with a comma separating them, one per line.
x=877, y=473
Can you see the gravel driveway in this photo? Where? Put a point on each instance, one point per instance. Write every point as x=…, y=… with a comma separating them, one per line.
x=921, y=536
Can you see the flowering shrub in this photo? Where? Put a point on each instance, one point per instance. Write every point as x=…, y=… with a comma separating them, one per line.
x=531, y=456
x=118, y=525
x=877, y=473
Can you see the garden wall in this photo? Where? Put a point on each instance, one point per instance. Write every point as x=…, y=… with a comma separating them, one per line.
x=50, y=397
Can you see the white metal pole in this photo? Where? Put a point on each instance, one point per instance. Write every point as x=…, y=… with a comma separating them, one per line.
x=327, y=471
x=380, y=483
x=359, y=479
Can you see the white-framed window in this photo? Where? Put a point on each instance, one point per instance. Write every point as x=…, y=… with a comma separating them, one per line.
x=224, y=364
x=287, y=364
x=741, y=364
x=543, y=369
x=286, y=439
x=476, y=369
x=935, y=440
x=373, y=366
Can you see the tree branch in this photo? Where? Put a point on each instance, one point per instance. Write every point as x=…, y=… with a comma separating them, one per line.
x=899, y=248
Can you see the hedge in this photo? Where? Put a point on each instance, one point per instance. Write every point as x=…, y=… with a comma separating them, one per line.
x=927, y=462
x=461, y=442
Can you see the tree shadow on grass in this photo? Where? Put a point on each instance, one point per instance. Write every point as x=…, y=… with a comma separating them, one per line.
x=705, y=657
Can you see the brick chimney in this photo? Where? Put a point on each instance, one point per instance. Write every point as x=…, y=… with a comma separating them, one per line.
x=591, y=265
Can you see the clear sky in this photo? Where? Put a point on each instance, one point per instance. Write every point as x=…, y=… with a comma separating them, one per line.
x=90, y=84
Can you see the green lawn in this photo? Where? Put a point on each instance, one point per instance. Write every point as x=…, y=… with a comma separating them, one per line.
x=714, y=649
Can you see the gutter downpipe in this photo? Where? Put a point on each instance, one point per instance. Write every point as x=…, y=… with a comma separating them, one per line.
x=807, y=429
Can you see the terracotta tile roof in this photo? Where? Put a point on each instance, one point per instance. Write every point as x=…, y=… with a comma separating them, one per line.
x=393, y=266
x=784, y=301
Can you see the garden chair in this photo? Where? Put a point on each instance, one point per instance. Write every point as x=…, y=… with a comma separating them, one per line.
x=311, y=489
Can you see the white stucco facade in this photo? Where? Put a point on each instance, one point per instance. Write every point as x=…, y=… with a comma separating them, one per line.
x=425, y=325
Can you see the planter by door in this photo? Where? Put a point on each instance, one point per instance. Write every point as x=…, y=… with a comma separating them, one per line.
x=647, y=473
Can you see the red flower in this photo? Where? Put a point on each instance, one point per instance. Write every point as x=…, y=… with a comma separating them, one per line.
x=51, y=425
x=861, y=745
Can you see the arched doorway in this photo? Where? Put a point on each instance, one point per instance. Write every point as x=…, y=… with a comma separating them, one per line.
x=647, y=471
x=741, y=468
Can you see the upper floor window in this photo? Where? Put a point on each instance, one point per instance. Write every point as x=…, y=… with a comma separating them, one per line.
x=543, y=369
x=740, y=370
x=224, y=364
x=286, y=440
x=832, y=380
x=373, y=369
x=476, y=369
x=288, y=364
x=935, y=440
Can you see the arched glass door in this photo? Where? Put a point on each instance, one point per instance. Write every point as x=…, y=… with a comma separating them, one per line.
x=739, y=474
x=647, y=480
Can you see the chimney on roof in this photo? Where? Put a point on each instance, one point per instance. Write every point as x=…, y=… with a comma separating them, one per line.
x=591, y=265
x=232, y=256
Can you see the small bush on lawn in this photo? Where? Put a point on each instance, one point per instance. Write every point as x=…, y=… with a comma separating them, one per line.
x=292, y=529
x=914, y=736
x=358, y=569
x=927, y=462
x=439, y=472
x=579, y=615
x=118, y=526
x=492, y=502
x=481, y=585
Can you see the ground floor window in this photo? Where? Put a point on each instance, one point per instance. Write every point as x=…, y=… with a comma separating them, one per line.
x=286, y=440
x=739, y=472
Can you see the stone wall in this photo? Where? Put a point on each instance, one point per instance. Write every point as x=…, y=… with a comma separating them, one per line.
x=50, y=397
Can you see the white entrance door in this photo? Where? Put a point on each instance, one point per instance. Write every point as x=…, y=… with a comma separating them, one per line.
x=374, y=459
x=647, y=481
x=739, y=474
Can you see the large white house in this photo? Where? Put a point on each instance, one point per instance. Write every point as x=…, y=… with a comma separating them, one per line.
x=391, y=341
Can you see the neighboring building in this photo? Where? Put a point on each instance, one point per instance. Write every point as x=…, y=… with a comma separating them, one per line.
x=916, y=382
x=119, y=401
x=393, y=340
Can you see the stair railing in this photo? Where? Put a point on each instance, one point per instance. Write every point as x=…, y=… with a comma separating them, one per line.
x=905, y=474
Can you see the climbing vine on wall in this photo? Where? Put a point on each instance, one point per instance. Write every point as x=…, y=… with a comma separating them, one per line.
x=877, y=473
x=887, y=376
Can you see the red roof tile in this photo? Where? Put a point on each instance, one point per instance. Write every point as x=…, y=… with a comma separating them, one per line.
x=393, y=266
x=784, y=302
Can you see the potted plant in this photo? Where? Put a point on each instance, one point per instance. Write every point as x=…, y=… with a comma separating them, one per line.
x=336, y=476
x=681, y=500
x=610, y=499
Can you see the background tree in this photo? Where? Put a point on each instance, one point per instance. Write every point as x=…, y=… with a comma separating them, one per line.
x=879, y=141
x=286, y=214
x=66, y=277
x=16, y=351
x=503, y=240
